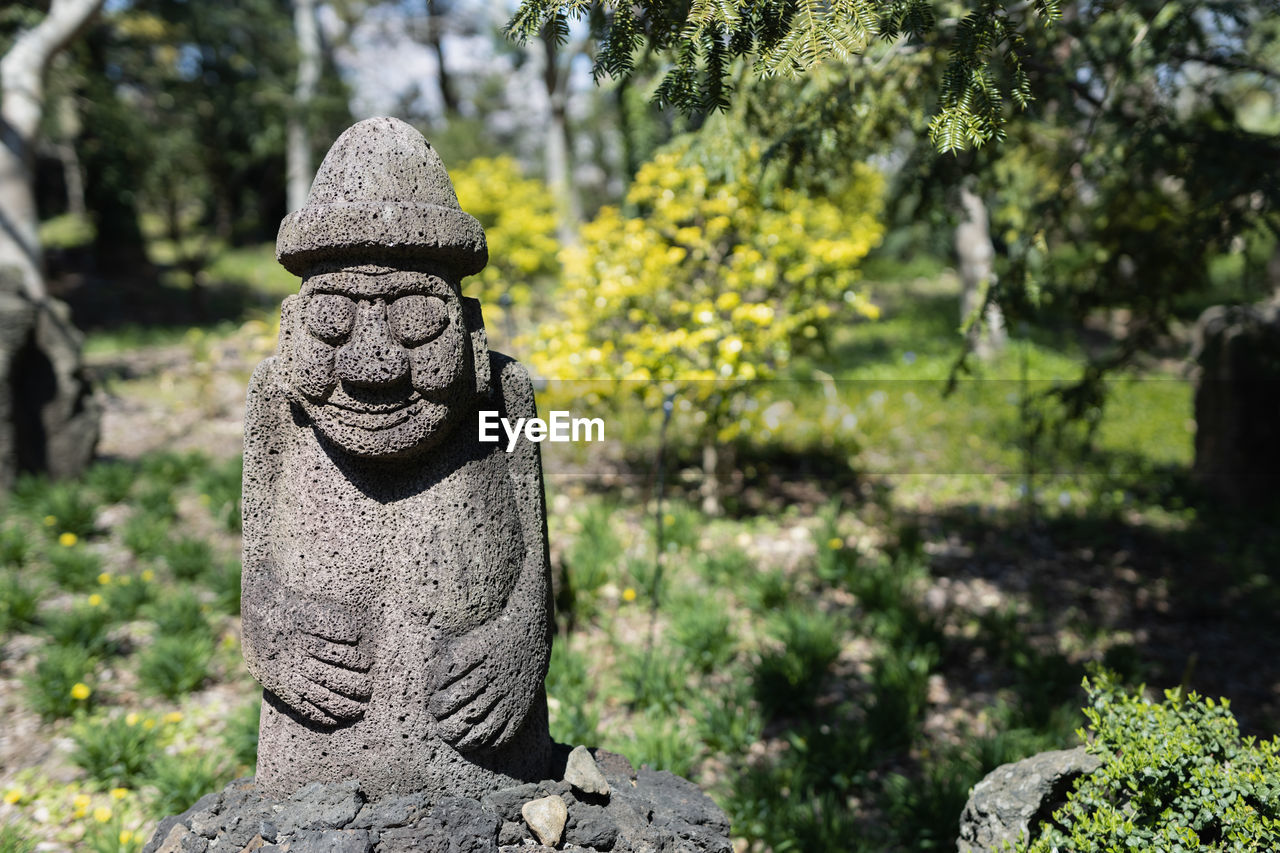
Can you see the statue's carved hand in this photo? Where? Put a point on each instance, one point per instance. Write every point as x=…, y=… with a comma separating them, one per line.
x=485, y=685
x=332, y=663
x=311, y=654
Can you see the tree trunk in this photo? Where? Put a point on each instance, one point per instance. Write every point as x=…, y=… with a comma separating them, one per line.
x=977, y=274
x=72, y=170
x=22, y=73
x=559, y=149
x=435, y=39
x=298, y=139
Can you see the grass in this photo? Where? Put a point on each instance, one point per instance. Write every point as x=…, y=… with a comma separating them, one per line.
x=14, y=840
x=19, y=603
x=173, y=666
x=74, y=567
x=51, y=688
x=829, y=668
x=180, y=780
x=116, y=750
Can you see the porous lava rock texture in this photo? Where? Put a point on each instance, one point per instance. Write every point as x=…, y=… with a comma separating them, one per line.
x=1237, y=401
x=49, y=418
x=645, y=812
x=396, y=589
x=1015, y=799
x=381, y=195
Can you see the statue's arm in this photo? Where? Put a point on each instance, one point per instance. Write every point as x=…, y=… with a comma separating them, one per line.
x=495, y=674
x=307, y=653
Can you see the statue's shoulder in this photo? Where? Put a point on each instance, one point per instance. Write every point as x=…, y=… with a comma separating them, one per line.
x=265, y=382
x=266, y=408
x=512, y=385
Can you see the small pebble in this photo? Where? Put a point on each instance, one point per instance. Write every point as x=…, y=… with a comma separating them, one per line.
x=546, y=817
x=582, y=773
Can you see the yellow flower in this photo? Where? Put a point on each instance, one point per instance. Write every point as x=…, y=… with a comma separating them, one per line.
x=50, y=520
x=66, y=540
x=125, y=837
x=173, y=717
x=95, y=600
x=102, y=814
x=119, y=793
x=148, y=724
x=148, y=575
x=82, y=802
x=80, y=691
x=104, y=578
x=629, y=594
x=13, y=796
x=835, y=543
x=131, y=719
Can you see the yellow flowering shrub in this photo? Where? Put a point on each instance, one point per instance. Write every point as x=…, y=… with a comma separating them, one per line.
x=710, y=279
x=519, y=223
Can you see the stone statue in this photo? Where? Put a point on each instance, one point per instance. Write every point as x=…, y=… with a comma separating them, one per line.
x=396, y=586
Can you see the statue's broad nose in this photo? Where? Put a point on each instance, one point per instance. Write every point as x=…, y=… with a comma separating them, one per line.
x=372, y=356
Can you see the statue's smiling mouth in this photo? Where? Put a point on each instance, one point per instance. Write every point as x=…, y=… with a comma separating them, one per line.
x=373, y=414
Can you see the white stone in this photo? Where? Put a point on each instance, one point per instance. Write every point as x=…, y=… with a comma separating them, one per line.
x=582, y=773
x=546, y=817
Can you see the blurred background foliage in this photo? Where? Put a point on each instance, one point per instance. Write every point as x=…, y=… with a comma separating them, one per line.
x=884, y=592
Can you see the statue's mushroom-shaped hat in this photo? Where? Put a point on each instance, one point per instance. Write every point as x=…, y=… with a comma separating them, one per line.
x=381, y=193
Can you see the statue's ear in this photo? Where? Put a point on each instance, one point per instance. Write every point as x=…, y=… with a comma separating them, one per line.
x=284, y=345
x=479, y=344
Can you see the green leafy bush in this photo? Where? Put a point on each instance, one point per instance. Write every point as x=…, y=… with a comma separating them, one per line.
x=662, y=744
x=145, y=534
x=179, y=614
x=111, y=481
x=61, y=507
x=117, y=750
x=570, y=696
x=74, y=567
x=791, y=672
x=156, y=501
x=703, y=630
x=14, y=840
x=127, y=594
x=769, y=590
x=729, y=722
x=18, y=603
x=655, y=680
x=593, y=557
x=219, y=489
x=174, y=665
x=1176, y=775
x=170, y=470
x=84, y=626
x=58, y=684
x=188, y=558
x=241, y=734
x=725, y=567
x=15, y=547
x=180, y=780
x=225, y=582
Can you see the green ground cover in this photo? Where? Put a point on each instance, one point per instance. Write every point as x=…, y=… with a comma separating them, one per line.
x=837, y=658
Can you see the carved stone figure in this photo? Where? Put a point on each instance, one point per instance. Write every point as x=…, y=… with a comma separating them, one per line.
x=49, y=418
x=396, y=587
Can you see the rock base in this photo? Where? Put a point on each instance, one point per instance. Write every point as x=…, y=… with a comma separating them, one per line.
x=642, y=811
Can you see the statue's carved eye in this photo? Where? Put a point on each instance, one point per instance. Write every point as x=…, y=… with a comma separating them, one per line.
x=330, y=317
x=416, y=319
